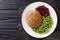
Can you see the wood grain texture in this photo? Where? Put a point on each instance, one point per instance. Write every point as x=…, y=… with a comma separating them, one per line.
x=11, y=4
x=10, y=20
x=21, y=35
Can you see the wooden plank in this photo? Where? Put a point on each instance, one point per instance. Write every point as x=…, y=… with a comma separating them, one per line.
x=12, y=4
x=54, y=36
x=9, y=18
x=18, y=35
x=16, y=4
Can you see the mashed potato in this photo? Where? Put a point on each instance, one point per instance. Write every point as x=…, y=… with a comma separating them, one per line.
x=33, y=18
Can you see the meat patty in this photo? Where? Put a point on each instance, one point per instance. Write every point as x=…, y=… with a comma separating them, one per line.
x=33, y=18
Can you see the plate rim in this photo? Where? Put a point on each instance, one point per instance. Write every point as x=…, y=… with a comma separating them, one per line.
x=56, y=17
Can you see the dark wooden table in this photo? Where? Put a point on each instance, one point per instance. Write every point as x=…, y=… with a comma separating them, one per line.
x=10, y=20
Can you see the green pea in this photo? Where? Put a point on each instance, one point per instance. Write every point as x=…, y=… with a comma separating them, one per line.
x=46, y=24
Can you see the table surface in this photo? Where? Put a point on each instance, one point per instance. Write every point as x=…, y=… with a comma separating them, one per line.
x=10, y=20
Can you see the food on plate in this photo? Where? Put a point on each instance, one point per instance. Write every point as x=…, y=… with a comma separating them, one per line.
x=46, y=24
x=34, y=18
x=43, y=10
x=39, y=19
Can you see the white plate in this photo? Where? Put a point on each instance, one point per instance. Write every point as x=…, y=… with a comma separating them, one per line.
x=28, y=29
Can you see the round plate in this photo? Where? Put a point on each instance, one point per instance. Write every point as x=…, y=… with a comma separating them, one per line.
x=28, y=29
